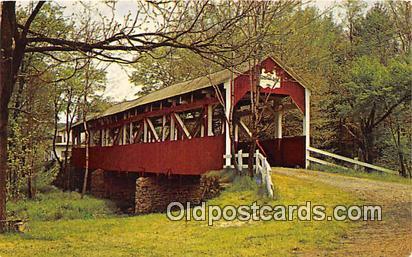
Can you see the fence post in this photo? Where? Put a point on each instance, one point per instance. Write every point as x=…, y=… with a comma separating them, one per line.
x=240, y=159
x=356, y=166
x=257, y=164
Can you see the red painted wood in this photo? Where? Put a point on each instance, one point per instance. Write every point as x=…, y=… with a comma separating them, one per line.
x=292, y=89
x=284, y=152
x=288, y=86
x=242, y=86
x=187, y=157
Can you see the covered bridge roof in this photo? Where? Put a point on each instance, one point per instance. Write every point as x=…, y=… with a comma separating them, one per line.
x=186, y=87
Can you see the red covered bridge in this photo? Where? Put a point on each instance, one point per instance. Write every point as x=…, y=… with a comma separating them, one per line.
x=181, y=129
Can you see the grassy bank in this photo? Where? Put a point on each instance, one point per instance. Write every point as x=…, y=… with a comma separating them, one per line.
x=155, y=235
x=57, y=205
x=376, y=175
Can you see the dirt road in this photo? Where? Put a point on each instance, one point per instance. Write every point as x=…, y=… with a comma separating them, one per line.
x=390, y=237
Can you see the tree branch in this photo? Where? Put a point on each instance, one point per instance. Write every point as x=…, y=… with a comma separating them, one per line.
x=405, y=98
x=31, y=19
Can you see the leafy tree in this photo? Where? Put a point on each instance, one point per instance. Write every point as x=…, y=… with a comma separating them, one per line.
x=372, y=92
x=400, y=13
x=399, y=121
x=30, y=135
x=165, y=67
x=103, y=38
x=373, y=46
x=68, y=101
x=376, y=34
x=353, y=13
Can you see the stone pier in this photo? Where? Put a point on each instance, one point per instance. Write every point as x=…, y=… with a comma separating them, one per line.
x=148, y=194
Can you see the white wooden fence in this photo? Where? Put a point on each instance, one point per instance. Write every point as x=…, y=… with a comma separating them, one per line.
x=261, y=167
x=342, y=158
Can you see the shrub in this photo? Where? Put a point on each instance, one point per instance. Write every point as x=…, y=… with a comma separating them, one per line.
x=243, y=183
x=225, y=175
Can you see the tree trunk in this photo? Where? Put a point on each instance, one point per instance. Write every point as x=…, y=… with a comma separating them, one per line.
x=231, y=126
x=252, y=150
x=86, y=169
x=86, y=129
x=55, y=131
x=3, y=159
x=396, y=135
x=22, y=83
x=6, y=87
x=252, y=146
x=69, y=122
x=66, y=170
x=29, y=187
x=368, y=142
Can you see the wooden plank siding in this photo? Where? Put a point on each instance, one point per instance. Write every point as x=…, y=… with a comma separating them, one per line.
x=185, y=157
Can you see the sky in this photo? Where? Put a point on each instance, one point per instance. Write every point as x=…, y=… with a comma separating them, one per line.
x=118, y=86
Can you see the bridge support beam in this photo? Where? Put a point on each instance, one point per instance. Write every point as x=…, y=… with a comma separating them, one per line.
x=306, y=126
x=209, y=120
x=131, y=133
x=278, y=120
x=145, y=138
x=163, y=128
x=228, y=107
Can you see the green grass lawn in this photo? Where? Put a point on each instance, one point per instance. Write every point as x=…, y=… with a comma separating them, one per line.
x=155, y=235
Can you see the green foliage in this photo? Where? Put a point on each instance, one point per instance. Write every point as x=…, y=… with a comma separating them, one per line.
x=54, y=204
x=51, y=17
x=376, y=34
x=49, y=87
x=225, y=175
x=46, y=176
x=165, y=67
x=17, y=168
x=243, y=183
x=369, y=92
x=30, y=134
x=366, y=85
